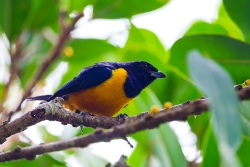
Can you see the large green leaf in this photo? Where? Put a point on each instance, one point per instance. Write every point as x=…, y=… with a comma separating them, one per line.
x=227, y=23
x=232, y=54
x=112, y=9
x=239, y=12
x=224, y=104
x=144, y=44
x=12, y=16
x=202, y=27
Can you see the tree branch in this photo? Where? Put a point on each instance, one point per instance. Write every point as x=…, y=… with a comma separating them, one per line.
x=132, y=124
x=54, y=54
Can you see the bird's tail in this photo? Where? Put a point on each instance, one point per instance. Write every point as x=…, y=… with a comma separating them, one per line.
x=44, y=97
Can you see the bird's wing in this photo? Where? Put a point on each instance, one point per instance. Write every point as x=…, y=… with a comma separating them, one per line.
x=88, y=78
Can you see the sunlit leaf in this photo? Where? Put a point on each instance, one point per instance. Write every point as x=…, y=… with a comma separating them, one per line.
x=76, y=5
x=144, y=44
x=227, y=23
x=111, y=9
x=201, y=27
x=218, y=86
x=239, y=12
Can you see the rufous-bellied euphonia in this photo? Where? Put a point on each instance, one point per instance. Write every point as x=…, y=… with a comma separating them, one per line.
x=106, y=87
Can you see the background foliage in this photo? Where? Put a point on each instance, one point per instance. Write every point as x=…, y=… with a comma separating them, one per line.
x=222, y=58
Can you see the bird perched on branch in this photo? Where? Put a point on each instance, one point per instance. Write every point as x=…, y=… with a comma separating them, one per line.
x=105, y=88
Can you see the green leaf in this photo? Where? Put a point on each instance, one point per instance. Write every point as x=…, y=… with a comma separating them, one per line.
x=139, y=156
x=76, y=5
x=199, y=125
x=202, y=27
x=245, y=117
x=158, y=146
x=160, y=142
x=227, y=23
x=43, y=13
x=218, y=86
x=12, y=16
x=232, y=54
x=111, y=9
x=210, y=152
x=243, y=151
x=239, y=12
x=143, y=44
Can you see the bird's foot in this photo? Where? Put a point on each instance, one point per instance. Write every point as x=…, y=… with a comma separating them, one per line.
x=84, y=115
x=123, y=117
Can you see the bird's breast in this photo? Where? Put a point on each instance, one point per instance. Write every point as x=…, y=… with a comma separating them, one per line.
x=105, y=99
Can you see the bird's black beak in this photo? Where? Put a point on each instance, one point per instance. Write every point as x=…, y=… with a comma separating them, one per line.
x=158, y=74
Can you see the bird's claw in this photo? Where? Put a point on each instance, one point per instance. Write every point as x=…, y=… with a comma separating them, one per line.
x=84, y=115
x=122, y=116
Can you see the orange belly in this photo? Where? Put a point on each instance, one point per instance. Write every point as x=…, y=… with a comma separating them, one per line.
x=106, y=99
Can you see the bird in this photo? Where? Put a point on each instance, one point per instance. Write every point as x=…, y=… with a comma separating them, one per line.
x=105, y=88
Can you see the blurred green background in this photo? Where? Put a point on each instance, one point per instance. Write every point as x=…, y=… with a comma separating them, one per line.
x=34, y=26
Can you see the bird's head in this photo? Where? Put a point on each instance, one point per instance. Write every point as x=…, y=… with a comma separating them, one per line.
x=141, y=74
x=146, y=70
